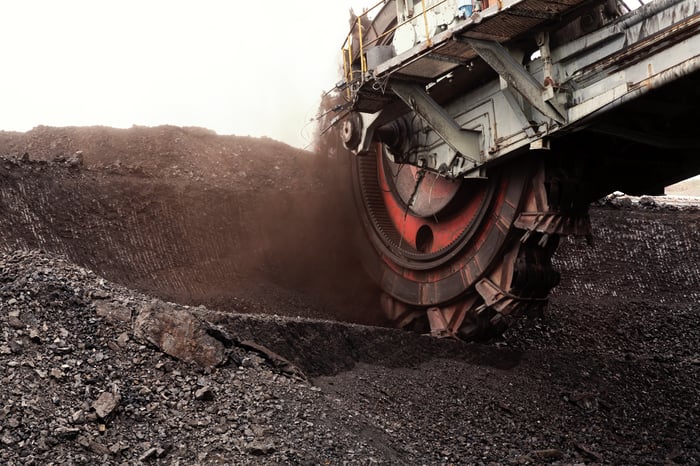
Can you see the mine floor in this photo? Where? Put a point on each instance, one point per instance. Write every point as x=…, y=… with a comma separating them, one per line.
x=114, y=241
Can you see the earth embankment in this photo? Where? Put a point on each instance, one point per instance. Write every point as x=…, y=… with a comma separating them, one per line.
x=608, y=376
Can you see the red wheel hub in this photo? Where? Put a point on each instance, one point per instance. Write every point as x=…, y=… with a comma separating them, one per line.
x=432, y=238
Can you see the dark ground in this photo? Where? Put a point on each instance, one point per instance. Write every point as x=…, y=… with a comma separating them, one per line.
x=608, y=376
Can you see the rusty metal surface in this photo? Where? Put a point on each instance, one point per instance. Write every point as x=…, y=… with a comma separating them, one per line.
x=445, y=283
x=501, y=266
x=553, y=223
x=501, y=24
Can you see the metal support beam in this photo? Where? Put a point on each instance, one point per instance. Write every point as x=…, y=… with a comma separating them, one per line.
x=357, y=130
x=463, y=141
x=498, y=58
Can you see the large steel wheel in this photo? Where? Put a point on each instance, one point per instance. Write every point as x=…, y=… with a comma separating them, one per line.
x=446, y=252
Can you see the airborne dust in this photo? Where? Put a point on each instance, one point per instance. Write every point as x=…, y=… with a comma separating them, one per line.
x=234, y=223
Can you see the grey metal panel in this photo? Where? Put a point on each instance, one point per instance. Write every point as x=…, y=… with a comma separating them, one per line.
x=501, y=24
x=512, y=72
x=621, y=62
x=518, y=17
x=463, y=141
x=427, y=68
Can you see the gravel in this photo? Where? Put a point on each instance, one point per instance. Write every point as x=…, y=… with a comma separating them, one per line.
x=78, y=386
x=105, y=231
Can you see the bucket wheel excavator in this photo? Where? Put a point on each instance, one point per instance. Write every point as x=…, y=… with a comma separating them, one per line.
x=481, y=131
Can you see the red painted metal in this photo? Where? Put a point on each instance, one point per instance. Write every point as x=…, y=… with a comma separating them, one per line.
x=445, y=231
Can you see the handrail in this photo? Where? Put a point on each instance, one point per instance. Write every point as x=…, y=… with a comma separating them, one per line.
x=363, y=62
x=347, y=51
x=389, y=31
x=425, y=20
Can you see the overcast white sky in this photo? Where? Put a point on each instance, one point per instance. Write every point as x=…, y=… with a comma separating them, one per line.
x=245, y=68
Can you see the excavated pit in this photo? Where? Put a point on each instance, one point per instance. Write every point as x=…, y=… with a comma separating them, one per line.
x=237, y=224
x=244, y=225
x=250, y=226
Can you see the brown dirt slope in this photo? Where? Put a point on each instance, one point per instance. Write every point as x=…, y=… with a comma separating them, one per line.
x=190, y=153
x=189, y=216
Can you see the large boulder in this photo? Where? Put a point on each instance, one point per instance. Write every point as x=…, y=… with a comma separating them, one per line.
x=180, y=334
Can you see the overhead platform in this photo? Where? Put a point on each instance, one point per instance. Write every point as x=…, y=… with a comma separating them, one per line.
x=583, y=66
x=481, y=137
x=502, y=22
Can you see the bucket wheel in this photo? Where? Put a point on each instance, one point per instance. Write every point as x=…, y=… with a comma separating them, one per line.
x=447, y=252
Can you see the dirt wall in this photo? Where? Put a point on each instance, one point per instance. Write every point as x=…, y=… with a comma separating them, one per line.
x=637, y=253
x=255, y=226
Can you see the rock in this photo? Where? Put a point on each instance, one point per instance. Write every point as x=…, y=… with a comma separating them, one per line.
x=585, y=401
x=114, y=346
x=34, y=336
x=204, y=394
x=275, y=359
x=626, y=202
x=105, y=404
x=123, y=339
x=78, y=417
x=149, y=454
x=153, y=453
x=75, y=160
x=259, y=447
x=590, y=454
x=523, y=459
x=180, y=334
x=17, y=347
x=66, y=433
x=8, y=439
x=112, y=312
x=100, y=294
x=647, y=201
x=93, y=446
x=116, y=448
x=15, y=323
x=61, y=349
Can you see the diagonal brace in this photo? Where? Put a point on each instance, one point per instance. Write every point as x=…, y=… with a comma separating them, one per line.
x=465, y=142
x=498, y=58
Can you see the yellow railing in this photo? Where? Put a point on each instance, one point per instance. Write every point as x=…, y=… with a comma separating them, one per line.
x=347, y=50
x=347, y=46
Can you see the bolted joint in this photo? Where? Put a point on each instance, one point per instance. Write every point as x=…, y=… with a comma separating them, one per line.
x=398, y=137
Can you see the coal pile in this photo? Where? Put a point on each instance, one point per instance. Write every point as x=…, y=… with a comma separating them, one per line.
x=89, y=376
x=82, y=383
x=188, y=216
x=158, y=306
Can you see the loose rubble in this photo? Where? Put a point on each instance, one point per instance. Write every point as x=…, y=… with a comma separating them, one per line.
x=93, y=372
x=80, y=386
x=83, y=385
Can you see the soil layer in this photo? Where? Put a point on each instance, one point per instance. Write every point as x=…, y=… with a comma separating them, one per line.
x=253, y=240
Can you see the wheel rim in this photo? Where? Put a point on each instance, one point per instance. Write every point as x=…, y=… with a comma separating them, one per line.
x=432, y=254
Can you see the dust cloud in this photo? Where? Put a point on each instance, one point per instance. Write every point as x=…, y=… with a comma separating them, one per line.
x=233, y=223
